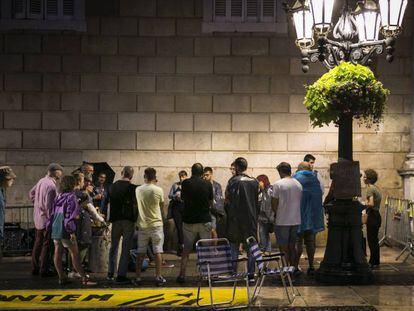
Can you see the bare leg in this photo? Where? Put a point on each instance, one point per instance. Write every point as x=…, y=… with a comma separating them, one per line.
x=214, y=234
x=184, y=259
x=74, y=253
x=285, y=249
x=294, y=259
x=138, y=265
x=310, y=248
x=57, y=259
x=299, y=247
x=158, y=264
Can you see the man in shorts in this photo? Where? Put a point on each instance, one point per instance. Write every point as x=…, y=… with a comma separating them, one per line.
x=197, y=195
x=150, y=200
x=286, y=199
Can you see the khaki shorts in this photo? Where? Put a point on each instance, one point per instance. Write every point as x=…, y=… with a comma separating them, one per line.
x=155, y=235
x=191, y=231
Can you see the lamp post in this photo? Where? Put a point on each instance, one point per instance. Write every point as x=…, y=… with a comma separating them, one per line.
x=355, y=39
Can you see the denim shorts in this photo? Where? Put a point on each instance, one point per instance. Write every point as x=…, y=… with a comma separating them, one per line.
x=286, y=235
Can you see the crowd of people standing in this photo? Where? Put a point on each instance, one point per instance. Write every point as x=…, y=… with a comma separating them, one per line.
x=291, y=208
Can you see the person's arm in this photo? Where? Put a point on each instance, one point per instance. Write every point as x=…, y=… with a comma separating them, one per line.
x=275, y=204
x=171, y=193
x=183, y=191
x=318, y=175
x=94, y=214
x=211, y=196
x=370, y=199
x=275, y=198
x=162, y=202
x=73, y=211
x=32, y=194
x=50, y=199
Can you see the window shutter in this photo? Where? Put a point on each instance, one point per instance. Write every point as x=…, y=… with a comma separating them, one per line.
x=52, y=8
x=68, y=8
x=252, y=9
x=35, y=9
x=269, y=10
x=220, y=10
x=236, y=8
x=19, y=9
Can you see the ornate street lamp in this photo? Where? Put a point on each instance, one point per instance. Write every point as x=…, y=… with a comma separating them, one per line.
x=356, y=34
x=355, y=38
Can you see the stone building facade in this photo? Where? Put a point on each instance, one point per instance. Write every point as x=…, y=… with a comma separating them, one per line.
x=145, y=87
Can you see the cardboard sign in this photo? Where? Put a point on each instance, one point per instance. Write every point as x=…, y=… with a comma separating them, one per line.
x=347, y=179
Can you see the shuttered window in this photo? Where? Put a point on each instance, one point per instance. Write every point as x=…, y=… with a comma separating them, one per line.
x=243, y=10
x=43, y=14
x=19, y=9
x=59, y=9
x=35, y=9
x=244, y=15
x=43, y=9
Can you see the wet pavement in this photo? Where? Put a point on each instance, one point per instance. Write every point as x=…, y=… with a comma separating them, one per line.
x=393, y=288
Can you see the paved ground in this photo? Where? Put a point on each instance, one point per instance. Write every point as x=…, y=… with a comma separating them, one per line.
x=393, y=288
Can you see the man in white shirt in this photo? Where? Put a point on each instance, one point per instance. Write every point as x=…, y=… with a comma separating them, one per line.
x=286, y=198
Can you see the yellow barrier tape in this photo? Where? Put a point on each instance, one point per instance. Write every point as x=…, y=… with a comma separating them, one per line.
x=112, y=298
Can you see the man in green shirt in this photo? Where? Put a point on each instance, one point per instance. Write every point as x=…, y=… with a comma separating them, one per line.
x=150, y=199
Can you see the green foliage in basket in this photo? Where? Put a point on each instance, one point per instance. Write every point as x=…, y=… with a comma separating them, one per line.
x=346, y=89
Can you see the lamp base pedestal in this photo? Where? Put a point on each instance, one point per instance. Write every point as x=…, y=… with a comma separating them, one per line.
x=344, y=261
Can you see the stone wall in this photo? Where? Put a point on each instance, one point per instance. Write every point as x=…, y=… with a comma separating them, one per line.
x=144, y=87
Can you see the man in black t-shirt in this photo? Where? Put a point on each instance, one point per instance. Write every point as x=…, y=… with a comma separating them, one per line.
x=122, y=214
x=197, y=195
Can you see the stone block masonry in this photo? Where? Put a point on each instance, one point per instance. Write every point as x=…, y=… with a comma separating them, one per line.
x=144, y=86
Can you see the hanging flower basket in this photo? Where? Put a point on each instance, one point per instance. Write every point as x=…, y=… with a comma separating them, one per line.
x=346, y=89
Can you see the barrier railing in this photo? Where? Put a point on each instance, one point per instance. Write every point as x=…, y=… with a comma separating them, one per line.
x=19, y=230
x=399, y=225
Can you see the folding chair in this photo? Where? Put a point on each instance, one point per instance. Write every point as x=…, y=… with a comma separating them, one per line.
x=215, y=266
x=263, y=262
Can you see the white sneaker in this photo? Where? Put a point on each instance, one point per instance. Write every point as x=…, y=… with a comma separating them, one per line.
x=74, y=275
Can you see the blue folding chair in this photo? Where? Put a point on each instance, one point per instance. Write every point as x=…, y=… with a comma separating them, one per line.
x=263, y=263
x=215, y=265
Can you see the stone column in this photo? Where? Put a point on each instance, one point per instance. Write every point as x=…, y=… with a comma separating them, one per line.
x=408, y=171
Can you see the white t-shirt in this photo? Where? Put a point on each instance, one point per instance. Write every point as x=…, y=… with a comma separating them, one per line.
x=289, y=192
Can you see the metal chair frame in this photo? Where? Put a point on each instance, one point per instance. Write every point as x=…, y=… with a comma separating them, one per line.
x=263, y=270
x=214, y=278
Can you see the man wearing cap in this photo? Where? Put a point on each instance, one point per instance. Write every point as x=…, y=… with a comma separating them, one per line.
x=43, y=195
x=7, y=177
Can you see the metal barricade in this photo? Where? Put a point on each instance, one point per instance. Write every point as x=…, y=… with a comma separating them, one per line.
x=19, y=233
x=399, y=225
